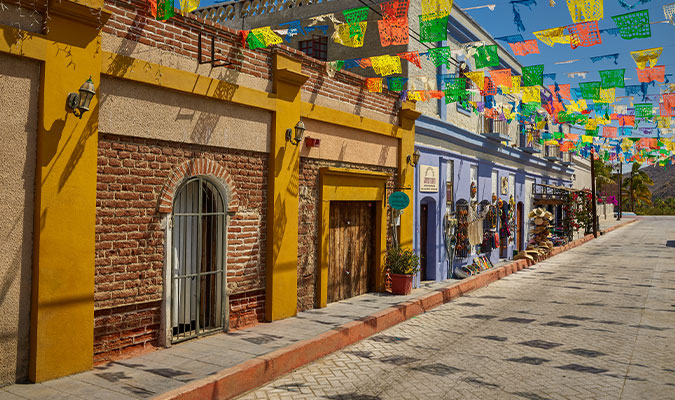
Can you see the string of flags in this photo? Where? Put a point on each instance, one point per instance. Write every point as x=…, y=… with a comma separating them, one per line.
x=644, y=130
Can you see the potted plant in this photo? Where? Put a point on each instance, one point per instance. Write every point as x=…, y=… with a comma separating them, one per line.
x=402, y=265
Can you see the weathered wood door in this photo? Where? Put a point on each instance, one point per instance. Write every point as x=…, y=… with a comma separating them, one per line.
x=350, y=267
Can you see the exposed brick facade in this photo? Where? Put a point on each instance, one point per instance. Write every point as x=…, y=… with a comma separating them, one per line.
x=308, y=223
x=138, y=177
x=130, y=241
x=130, y=20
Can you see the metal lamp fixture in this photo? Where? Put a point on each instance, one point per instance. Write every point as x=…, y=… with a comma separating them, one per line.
x=414, y=158
x=79, y=102
x=299, y=132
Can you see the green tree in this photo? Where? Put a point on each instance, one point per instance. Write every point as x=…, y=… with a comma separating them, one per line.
x=603, y=174
x=635, y=189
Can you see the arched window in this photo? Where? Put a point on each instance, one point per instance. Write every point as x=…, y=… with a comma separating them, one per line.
x=198, y=298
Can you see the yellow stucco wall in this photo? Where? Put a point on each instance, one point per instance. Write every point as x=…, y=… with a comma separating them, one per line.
x=19, y=81
x=65, y=174
x=341, y=143
x=140, y=110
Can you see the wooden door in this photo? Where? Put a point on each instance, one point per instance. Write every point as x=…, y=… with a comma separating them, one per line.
x=351, y=241
x=519, y=228
x=424, y=225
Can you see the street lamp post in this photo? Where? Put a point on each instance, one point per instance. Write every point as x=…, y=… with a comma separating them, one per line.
x=618, y=214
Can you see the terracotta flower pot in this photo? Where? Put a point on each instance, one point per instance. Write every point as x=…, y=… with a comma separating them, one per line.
x=401, y=284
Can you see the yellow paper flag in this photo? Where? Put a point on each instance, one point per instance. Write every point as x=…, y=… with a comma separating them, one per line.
x=433, y=9
x=663, y=122
x=478, y=77
x=342, y=35
x=647, y=56
x=585, y=10
x=386, y=65
x=587, y=139
x=515, y=86
x=552, y=36
x=187, y=6
x=606, y=96
x=531, y=94
x=268, y=36
x=591, y=124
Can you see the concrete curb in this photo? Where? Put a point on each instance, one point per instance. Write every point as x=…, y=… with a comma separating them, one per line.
x=254, y=373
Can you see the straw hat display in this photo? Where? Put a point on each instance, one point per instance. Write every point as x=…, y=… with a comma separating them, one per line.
x=540, y=244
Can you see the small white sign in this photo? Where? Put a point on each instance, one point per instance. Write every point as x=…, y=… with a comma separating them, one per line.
x=428, y=178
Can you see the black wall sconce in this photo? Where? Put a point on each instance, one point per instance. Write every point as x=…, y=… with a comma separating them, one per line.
x=299, y=132
x=414, y=158
x=79, y=102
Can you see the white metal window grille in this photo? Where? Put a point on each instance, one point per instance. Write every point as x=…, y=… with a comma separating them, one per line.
x=198, y=298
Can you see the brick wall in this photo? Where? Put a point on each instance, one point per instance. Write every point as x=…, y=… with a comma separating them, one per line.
x=179, y=35
x=130, y=239
x=308, y=223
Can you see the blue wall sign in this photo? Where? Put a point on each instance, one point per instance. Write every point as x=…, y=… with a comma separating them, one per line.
x=399, y=200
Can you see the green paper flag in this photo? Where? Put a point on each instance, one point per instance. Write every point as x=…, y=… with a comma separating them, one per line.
x=354, y=16
x=395, y=84
x=433, y=30
x=255, y=41
x=590, y=90
x=486, y=56
x=611, y=78
x=455, y=90
x=440, y=56
x=164, y=10
x=633, y=25
x=530, y=108
x=643, y=110
x=533, y=75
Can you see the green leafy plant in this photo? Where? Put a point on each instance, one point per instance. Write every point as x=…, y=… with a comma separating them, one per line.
x=402, y=261
x=636, y=188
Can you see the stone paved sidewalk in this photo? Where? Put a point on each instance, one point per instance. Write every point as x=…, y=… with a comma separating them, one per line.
x=158, y=372
x=596, y=322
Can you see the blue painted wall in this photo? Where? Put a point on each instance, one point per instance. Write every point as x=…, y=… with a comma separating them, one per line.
x=437, y=261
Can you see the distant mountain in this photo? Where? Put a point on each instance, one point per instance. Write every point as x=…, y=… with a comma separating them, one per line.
x=664, y=181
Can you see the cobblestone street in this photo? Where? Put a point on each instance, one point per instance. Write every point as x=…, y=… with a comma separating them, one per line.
x=596, y=322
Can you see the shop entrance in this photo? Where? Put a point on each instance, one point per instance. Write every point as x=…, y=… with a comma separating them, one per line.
x=351, y=244
x=424, y=250
x=520, y=233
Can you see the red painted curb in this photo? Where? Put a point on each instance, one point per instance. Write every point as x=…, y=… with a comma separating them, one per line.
x=254, y=373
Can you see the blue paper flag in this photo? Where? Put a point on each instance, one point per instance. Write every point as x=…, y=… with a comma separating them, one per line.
x=511, y=38
x=549, y=76
x=615, y=56
x=610, y=31
x=294, y=28
x=517, y=20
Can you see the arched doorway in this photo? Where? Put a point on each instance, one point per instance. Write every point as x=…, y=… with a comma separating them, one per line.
x=520, y=227
x=198, y=300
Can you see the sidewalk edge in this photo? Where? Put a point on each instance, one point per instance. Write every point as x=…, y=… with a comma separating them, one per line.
x=254, y=373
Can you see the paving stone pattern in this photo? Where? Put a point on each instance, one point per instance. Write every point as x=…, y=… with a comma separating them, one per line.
x=528, y=336
x=158, y=372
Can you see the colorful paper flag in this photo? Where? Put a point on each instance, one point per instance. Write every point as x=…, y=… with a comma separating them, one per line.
x=525, y=47
x=584, y=10
x=584, y=34
x=656, y=73
x=633, y=25
x=374, y=85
